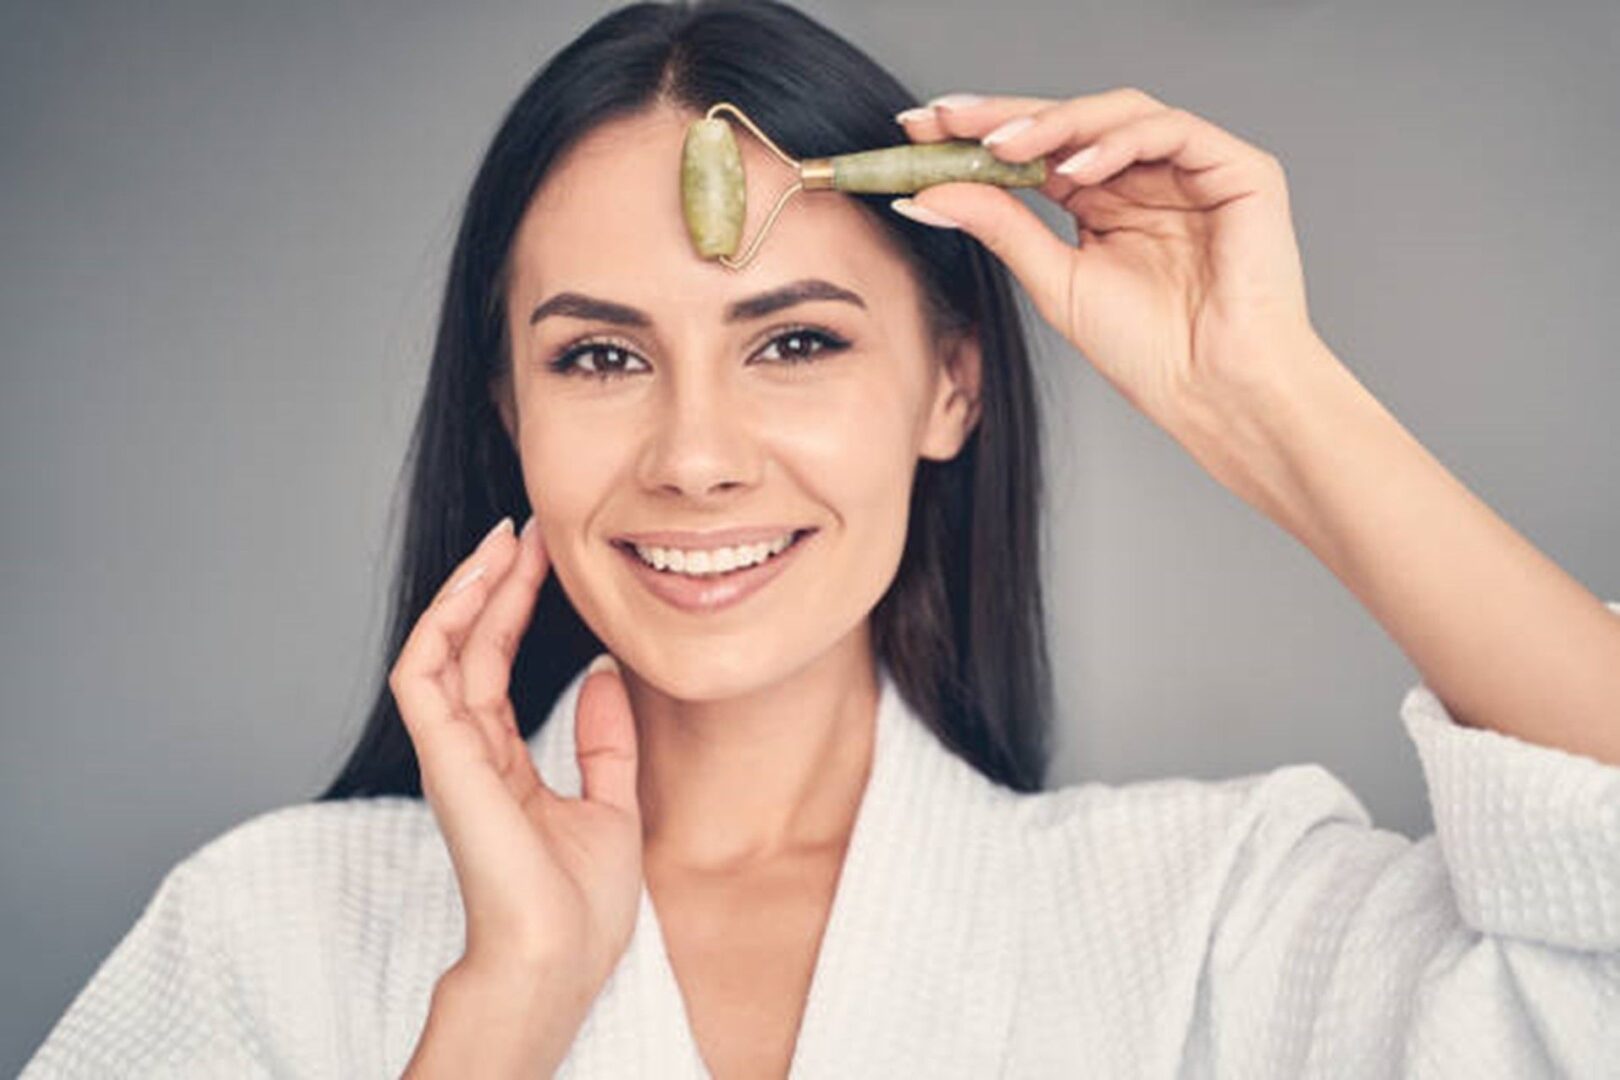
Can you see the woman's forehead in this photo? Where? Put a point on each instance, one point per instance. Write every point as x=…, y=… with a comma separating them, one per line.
x=610, y=210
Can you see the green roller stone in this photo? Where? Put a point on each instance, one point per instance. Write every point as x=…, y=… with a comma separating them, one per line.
x=714, y=196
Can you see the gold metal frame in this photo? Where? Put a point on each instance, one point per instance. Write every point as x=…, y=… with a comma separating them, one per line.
x=814, y=174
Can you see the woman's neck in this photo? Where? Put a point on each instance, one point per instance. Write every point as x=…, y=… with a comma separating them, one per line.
x=727, y=784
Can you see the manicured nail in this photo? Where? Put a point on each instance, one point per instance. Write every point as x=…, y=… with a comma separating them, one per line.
x=955, y=101
x=468, y=578
x=917, y=212
x=1076, y=162
x=505, y=523
x=1008, y=130
x=911, y=115
x=528, y=526
x=604, y=662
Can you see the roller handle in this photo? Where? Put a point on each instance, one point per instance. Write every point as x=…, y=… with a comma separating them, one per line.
x=902, y=170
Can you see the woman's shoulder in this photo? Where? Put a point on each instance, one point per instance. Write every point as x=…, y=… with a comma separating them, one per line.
x=1188, y=805
x=316, y=836
x=1151, y=872
x=291, y=935
x=1165, y=837
x=344, y=865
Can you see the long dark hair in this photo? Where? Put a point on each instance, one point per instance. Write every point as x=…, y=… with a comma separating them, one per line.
x=961, y=627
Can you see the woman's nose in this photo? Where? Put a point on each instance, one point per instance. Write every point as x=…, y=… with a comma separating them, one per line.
x=701, y=440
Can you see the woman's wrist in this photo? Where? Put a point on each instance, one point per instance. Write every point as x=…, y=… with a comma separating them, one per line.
x=499, y=1021
x=1250, y=435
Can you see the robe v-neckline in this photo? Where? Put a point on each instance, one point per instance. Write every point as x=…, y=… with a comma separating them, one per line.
x=892, y=991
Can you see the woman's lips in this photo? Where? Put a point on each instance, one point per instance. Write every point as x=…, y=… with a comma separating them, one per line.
x=702, y=595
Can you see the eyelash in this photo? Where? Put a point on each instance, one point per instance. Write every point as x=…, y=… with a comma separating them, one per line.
x=564, y=362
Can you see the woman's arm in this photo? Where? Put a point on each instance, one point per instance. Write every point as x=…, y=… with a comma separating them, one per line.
x=1187, y=294
x=1499, y=632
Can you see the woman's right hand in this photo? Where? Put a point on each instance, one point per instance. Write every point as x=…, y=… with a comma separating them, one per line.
x=550, y=885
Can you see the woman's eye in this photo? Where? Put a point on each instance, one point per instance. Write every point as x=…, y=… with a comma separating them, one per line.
x=605, y=360
x=803, y=344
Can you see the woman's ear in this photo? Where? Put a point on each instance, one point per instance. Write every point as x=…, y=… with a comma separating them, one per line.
x=956, y=407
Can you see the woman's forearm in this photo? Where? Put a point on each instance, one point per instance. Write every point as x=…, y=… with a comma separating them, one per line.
x=491, y=1024
x=1499, y=632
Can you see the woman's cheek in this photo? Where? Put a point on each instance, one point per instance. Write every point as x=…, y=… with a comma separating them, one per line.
x=853, y=451
x=843, y=422
x=567, y=470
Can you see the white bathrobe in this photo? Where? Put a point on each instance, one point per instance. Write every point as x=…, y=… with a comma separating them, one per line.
x=1252, y=927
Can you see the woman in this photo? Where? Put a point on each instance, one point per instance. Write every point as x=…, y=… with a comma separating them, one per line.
x=799, y=826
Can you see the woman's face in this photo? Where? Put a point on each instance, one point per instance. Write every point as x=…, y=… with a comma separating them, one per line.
x=700, y=415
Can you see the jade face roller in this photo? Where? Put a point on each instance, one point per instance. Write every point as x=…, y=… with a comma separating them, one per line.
x=714, y=199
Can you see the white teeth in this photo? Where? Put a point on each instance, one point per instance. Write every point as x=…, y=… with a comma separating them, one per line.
x=714, y=561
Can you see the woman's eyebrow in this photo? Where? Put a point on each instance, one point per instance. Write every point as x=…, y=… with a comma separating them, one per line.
x=580, y=306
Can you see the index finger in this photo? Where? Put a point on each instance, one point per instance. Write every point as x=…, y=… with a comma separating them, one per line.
x=491, y=645
x=928, y=122
x=428, y=653
x=1056, y=127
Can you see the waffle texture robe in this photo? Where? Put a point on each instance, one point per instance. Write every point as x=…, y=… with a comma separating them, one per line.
x=1257, y=926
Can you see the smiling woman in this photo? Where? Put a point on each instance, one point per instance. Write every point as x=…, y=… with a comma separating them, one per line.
x=867, y=377
x=797, y=448
x=753, y=783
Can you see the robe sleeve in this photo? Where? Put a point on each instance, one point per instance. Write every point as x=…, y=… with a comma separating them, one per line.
x=164, y=1002
x=1490, y=947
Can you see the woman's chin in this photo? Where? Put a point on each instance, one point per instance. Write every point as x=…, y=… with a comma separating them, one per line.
x=683, y=665
x=700, y=669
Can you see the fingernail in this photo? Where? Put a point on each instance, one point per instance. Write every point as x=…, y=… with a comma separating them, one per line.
x=528, y=526
x=604, y=662
x=468, y=578
x=917, y=212
x=910, y=115
x=1008, y=130
x=1075, y=162
x=504, y=523
x=955, y=101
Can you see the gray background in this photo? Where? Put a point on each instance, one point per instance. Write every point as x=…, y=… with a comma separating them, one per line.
x=223, y=230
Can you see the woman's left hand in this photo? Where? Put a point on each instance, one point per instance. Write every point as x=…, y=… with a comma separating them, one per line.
x=1186, y=284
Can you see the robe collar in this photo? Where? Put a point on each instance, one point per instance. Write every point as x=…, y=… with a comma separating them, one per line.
x=916, y=973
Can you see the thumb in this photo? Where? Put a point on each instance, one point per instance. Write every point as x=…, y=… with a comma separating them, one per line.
x=1000, y=221
x=605, y=738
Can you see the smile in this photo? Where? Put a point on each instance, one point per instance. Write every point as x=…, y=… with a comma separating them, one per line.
x=706, y=581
